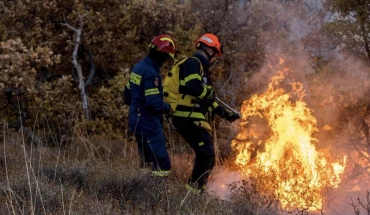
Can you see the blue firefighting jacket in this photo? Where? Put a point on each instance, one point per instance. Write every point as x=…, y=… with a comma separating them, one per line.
x=144, y=93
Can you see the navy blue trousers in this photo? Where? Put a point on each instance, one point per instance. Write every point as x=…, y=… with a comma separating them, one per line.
x=153, y=151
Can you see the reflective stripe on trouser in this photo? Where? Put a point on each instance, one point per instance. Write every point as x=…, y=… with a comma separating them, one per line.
x=161, y=173
x=201, y=142
x=153, y=149
x=194, y=190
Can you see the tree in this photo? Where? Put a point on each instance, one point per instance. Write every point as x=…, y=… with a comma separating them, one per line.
x=112, y=39
x=346, y=27
x=115, y=37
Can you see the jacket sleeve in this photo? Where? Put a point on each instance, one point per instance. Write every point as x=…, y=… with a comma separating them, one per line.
x=153, y=97
x=192, y=79
x=127, y=97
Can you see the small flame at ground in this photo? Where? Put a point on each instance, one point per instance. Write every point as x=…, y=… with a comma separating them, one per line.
x=276, y=147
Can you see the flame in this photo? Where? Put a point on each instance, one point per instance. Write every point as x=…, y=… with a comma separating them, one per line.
x=276, y=147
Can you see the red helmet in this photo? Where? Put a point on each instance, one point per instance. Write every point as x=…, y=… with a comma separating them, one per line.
x=164, y=43
x=212, y=41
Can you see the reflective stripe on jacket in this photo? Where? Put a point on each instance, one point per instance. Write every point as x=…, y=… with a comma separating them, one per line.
x=144, y=91
x=193, y=88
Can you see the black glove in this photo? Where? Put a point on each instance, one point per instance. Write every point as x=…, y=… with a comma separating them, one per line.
x=230, y=116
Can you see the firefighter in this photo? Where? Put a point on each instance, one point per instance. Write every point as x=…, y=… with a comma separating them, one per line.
x=197, y=100
x=144, y=94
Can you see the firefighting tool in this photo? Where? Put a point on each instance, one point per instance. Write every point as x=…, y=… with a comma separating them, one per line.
x=227, y=106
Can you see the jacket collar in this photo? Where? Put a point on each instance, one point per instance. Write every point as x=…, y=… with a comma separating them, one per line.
x=152, y=62
x=202, y=58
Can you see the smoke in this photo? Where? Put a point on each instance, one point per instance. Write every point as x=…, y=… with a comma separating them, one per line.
x=337, y=91
x=219, y=182
x=343, y=105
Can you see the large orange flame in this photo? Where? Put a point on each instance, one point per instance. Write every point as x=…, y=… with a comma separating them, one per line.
x=276, y=146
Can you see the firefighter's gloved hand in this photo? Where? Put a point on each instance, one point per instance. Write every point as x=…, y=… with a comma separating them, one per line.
x=231, y=117
x=210, y=95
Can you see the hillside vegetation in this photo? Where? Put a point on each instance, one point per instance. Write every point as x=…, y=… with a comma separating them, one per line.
x=65, y=145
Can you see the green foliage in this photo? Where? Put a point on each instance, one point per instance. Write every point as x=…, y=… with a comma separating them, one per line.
x=40, y=80
x=347, y=29
x=115, y=37
x=19, y=83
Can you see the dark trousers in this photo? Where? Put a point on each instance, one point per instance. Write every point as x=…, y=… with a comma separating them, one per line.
x=153, y=151
x=202, y=143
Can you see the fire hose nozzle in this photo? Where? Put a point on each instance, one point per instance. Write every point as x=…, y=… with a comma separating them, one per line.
x=227, y=106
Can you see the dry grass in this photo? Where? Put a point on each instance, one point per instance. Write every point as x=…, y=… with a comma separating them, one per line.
x=97, y=176
x=93, y=176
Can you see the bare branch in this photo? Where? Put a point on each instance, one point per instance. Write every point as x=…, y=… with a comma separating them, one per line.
x=81, y=86
x=355, y=207
x=68, y=25
x=367, y=206
x=80, y=37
